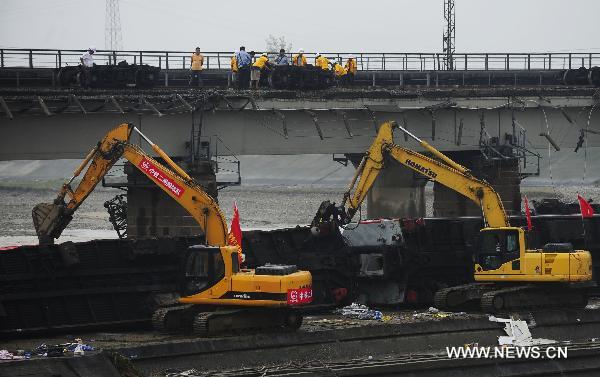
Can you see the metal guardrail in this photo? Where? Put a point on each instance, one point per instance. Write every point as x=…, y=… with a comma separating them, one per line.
x=43, y=58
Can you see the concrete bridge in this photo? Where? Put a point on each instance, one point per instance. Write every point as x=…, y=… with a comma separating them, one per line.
x=53, y=124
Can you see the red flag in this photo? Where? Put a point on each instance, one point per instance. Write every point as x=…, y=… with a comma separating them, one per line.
x=586, y=208
x=528, y=214
x=234, y=238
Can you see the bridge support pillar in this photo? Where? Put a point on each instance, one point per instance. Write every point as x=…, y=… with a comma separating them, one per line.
x=397, y=192
x=153, y=213
x=503, y=175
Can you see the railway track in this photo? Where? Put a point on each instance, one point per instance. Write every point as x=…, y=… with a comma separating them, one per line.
x=582, y=360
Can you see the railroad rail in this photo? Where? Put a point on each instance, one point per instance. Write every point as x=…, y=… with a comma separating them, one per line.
x=582, y=360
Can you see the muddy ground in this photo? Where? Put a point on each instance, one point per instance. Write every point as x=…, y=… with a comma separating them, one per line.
x=311, y=323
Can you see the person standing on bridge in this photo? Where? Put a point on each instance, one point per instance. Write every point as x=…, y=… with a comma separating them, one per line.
x=196, y=67
x=350, y=69
x=299, y=59
x=282, y=58
x=244, y=61
x=87, y=62
x=234, y=71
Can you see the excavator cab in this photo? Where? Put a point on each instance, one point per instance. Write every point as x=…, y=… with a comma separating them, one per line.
x=498, y=246
x=204, y=267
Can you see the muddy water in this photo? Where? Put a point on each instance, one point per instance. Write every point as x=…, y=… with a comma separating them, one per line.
x=261, y=207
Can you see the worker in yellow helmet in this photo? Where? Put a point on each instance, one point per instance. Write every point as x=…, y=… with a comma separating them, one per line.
x=299, y=59
x=234, y=70
x=261, y=64
x=196, y=66
x=350, y=68
x=322, y=62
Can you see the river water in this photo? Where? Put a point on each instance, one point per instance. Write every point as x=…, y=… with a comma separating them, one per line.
x=261, y=207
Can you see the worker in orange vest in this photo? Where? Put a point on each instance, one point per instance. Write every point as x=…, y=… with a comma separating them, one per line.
x=350, y=69
x=234, y=70
x=196, y=67
x=299, y=59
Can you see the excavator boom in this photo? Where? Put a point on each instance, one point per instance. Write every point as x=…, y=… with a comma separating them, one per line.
x=444, y=171
x=212, y=278
x=50, y=219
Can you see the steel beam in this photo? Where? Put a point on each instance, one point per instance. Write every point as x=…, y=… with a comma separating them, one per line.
x=43, y=106
x=5, y=108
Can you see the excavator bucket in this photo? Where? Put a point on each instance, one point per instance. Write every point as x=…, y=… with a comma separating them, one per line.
x=49, y=220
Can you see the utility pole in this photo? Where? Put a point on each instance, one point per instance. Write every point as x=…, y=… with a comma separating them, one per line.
x=112, y=26
x=449, y=32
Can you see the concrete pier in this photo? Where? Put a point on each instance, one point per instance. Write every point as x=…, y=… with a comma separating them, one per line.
x=152, y=213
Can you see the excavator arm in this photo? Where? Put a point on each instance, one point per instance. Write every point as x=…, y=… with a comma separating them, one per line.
x=442, y=170
x=50, y=219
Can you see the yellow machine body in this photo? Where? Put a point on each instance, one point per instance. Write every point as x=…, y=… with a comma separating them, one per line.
x=247, y=288
x=514, y=263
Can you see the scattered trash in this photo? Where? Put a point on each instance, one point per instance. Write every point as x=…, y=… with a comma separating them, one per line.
x=78, y=348
x=437, y=313
x=387, y=318
x=359, y=311
x=370, y=357
x=5, y=355
x=518, y=333
x=471, y=345
x=185, y=373
x=50, y=351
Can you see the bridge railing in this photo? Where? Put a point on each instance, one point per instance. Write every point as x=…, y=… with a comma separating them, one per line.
x=42, y=58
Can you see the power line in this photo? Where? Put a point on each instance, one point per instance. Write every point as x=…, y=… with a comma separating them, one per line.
x=112, y=26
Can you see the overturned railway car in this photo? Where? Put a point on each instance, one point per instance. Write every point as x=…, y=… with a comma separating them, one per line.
x=111, y=283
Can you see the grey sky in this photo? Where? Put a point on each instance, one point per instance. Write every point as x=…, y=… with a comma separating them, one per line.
x=347, y=26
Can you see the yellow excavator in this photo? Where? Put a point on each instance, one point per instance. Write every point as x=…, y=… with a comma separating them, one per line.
x=216, y=295
x=508, y=275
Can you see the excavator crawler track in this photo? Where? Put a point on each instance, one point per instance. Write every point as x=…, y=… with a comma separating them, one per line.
x=460, y=297
x=171, y=319
x=200, y=325
x=207, y=323
x=531, y=297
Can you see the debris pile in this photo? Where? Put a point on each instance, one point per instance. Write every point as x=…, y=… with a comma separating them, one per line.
x=359, y=311
x=76, y=348
x=437, y=313
x=517, y=333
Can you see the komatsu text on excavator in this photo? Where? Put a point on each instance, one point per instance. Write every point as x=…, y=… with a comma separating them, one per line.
x=508, y=275
x=215, y=295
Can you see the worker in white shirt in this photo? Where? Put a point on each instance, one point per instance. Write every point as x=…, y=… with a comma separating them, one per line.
x=87, y=62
